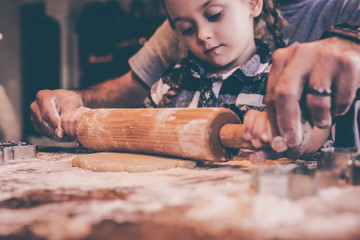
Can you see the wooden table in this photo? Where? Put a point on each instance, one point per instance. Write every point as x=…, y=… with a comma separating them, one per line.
x=47, y=198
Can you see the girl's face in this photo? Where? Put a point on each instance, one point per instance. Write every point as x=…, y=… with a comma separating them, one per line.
x=219, y=32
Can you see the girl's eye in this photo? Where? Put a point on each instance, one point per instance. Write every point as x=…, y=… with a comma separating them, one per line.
x=184, y=27
x=188, y=31
x=214, y=17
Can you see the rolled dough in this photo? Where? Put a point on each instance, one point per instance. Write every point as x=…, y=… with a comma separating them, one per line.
x=127, y=162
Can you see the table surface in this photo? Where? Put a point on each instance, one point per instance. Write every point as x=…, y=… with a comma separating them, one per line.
x=47, y=198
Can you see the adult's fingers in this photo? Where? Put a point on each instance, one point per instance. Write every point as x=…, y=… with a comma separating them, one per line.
x=288, y=92
x=69, y=120
x=39, y=123
x=35, y=115
x=321, y=77
x=52, y=114
x=346, y=82
x=280, y=58
x=48, y=110
x=279, y=63
x=68, y=124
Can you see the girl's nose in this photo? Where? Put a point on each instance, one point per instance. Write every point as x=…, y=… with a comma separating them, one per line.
x=204, y=33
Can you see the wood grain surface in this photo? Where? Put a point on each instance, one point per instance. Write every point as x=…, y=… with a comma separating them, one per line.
x=47, y=198
x=177, y=132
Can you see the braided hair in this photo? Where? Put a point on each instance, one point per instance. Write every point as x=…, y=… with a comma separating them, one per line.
x=174, y=90
x=268, y=27
x=270, y=24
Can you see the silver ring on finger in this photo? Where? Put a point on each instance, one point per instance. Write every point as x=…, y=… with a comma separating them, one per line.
x=316, y=91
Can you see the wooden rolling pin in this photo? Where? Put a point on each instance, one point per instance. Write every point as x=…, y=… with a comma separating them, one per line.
x=205, y=134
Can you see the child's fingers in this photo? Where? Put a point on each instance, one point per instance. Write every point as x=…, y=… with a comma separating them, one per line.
x=266, y=135
x=249, y=120
x=256, y=128
x=259, y=127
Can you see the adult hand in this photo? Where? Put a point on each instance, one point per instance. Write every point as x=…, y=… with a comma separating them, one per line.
x=257, y=129
x=47, y=109
x=70, y=118
x=332, y=63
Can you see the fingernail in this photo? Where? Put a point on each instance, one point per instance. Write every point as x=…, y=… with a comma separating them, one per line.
x=247, y=136
x=59, y=132
x=278, y=144
x=256, y=143
x=292, y=140
x=265, y=137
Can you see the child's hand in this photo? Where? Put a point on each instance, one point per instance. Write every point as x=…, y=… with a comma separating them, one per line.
x=257, y=128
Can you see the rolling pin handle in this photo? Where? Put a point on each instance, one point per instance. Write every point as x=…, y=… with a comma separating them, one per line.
x=232, y=136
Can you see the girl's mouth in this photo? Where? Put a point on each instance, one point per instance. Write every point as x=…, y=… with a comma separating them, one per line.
x=214, y=50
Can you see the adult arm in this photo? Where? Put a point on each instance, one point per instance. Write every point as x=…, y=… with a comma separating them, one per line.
x=9, y=123
x=157, y=54
x=50, y=105
x=148, y=64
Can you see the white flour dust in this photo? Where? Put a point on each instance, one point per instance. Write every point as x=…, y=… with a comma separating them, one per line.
x=218, y=198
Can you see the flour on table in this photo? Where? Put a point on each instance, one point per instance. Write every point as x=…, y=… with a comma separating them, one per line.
x=128, y=162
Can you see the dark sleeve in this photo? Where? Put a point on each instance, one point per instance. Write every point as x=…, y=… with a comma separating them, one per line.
x=347, y=129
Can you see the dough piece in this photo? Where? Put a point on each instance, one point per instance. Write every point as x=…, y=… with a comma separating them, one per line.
x=128, y=162
x=242, y=161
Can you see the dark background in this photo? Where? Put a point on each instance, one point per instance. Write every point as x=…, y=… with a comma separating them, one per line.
x=107, y=36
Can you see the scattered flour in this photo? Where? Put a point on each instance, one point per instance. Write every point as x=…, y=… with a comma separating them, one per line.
x=218, y=198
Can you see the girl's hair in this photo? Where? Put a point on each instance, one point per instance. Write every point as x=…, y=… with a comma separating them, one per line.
x=174, y=90
x=268, y=27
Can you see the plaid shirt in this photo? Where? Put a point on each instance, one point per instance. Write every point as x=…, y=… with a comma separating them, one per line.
x=243, y=86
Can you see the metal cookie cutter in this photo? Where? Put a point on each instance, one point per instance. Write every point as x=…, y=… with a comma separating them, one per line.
x=289, y=181
x=342, y=164
x=11, y=151
x=355, y=170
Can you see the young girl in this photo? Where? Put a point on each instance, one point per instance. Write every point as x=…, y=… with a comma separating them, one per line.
x=226, y=65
